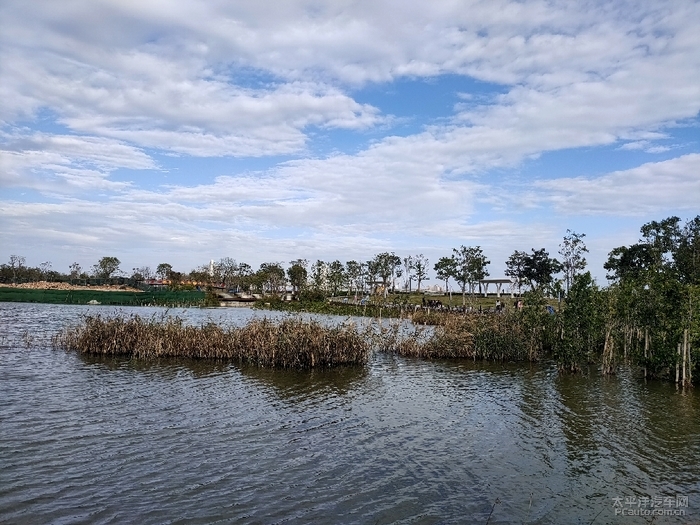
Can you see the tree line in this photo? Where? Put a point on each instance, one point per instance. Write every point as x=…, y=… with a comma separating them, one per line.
x=648, y=314
x=466, y=266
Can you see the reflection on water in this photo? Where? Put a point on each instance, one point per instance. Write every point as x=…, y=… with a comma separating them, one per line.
x=303, y=385
x=107, y=440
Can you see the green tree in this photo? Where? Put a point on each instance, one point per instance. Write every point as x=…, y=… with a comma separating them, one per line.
x=163, y=271
x=337, y=277
x=271, y=276
x=540, y=269
x=297, y=274
x=243, y=278
x=445, y=269
x=687, y=253
x=654, y=294
x=582, y=325
x=469, y=268
x=515, y=269
x=386, y=266
x=106, y=267
x=319, y=276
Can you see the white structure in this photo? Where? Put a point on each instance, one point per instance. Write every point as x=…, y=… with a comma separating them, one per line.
x=498, y=282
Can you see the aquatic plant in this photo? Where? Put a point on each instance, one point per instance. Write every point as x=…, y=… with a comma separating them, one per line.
x=286, y=343
x=493, y=337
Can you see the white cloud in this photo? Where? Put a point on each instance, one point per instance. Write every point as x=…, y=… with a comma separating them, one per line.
x=66, y=163
x=169, y=76
x=253, y=79
x=655, y=187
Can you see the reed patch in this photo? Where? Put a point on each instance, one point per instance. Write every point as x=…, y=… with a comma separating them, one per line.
x=286, y=343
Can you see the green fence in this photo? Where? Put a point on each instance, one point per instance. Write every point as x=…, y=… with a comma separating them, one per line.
x=156, y=298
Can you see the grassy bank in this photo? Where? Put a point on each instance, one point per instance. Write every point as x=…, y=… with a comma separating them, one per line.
x=159, y=298
x=289, y=343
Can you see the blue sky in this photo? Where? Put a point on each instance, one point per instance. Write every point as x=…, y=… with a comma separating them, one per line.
x=266, y=131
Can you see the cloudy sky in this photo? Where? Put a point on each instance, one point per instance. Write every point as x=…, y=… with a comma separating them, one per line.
x=267, y=131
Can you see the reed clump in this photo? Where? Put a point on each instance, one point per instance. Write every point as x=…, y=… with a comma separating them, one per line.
x=504, y=337
x=286, y=343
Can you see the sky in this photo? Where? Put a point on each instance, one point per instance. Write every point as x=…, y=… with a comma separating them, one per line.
x=269, y=131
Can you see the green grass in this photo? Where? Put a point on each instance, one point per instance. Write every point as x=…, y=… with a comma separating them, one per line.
x=159, y=298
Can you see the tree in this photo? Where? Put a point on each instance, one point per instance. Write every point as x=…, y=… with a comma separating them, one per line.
x=45, y=269
x=319, y=276
x=297, y=274
x=141, y=274
x=582, y=325
x=163, y=271
x=243, y=277
x=469, y=268
x=445, y=268
x=420, y=265
x=573, y=261
x=687, y=256
x=336, y=277
x=387, y=266
x=106, y=267
x=225, y=271
x=17, y=263
x=271, y=276
x=408, y=272
x=75, y=270
x=355, y=272
x=515, y=269
x=540, y=269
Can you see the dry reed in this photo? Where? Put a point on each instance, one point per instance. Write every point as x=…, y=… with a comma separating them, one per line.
x=484, y=337
x=288, y=343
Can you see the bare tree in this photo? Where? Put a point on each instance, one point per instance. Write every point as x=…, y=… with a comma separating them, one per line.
x=75, y=270
x=420, y=266
x=572, y=250
x=408, y=272
x=355, y=272
x=45, y=269
x=17, y=263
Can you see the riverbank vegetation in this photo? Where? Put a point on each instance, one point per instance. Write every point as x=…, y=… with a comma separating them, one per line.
x=647, y=317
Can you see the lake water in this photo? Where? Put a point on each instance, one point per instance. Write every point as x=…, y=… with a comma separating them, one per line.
x=86, y=440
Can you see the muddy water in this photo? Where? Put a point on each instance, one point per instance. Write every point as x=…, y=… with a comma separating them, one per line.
x=87, y=440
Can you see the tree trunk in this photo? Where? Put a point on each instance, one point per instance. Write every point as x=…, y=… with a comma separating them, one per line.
x=646, y=351
x=685, y=354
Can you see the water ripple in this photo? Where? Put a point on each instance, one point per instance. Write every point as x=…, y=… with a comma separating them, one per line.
x=88, y=440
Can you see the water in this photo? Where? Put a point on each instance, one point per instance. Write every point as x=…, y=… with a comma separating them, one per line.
x=85, y=440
